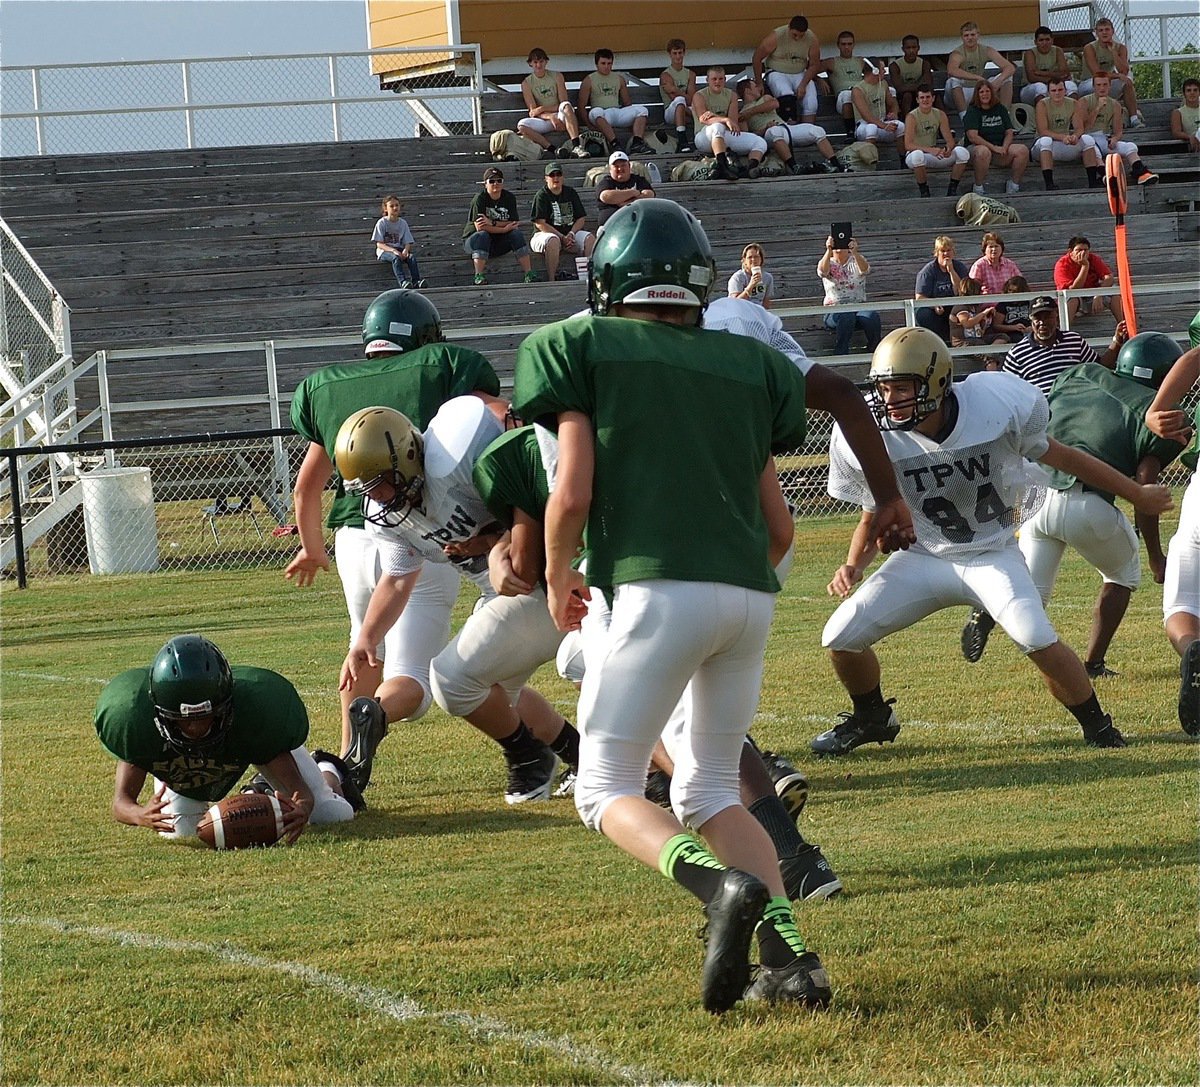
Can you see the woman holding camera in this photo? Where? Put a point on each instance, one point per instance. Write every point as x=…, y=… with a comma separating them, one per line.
x=844, y=272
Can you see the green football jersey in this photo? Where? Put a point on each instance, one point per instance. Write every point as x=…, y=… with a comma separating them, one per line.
x=685, y=420
x=510, y=474
x=268, y=719
x=416, y=383
x=1093, y=409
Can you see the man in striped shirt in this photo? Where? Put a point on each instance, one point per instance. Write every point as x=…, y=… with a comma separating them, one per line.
x=1046, y=351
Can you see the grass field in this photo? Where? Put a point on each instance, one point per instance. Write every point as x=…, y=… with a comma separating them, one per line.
x=1019, y=908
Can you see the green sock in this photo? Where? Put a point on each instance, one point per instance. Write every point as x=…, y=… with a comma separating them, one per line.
x=691, y=865
x=778, y=939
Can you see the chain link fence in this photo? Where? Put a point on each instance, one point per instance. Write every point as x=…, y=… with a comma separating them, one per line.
x=189, y=503
x=234, y=101
x=35, y=332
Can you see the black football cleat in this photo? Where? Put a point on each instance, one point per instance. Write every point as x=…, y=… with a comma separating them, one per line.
x=975, y=635
x=1105, y=736
x=854, y=730
x=733, y=915
x=791, y=786
x=1189, y=689
x=1099, y=670
x=368, y=727
x=350, y=792
x=658, y=788
x=530, y=774
x=803, y=981
x=807, y=875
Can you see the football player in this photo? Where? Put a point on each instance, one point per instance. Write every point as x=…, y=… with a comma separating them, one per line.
x=410, y=367
x=959, y=455
x=1181, y=588
x=421, y=506
x=662, y=424
x=195, y=724
x=1101, y=413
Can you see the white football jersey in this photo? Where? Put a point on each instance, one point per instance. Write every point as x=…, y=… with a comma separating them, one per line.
x=744, y=318
x=451, y=510
x=964, y=493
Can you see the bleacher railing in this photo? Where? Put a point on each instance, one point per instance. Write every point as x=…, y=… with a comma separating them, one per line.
x=233, y=101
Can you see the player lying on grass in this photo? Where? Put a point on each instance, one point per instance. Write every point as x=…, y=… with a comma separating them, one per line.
x=959, y=455
x=1181, y=587
x=663, y=425
x=196, y=724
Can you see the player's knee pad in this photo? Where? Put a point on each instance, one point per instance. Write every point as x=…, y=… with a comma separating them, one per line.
x=569, y=659
x=608, y=769
x=453, y=687
x=914, y=159
x=185, y=811
x=695, y=802
x=1042, y=144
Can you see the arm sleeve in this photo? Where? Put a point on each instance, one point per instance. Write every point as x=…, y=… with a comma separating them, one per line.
x=377, y=233
x=846, y=479
x=1063, y=276
x=539, y=209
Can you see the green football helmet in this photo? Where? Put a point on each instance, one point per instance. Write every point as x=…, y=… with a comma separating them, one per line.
x=400, y=321
x=189, y=679
x=651, y=252
x=914, y=353
x=1147, y=358
x=380, y=445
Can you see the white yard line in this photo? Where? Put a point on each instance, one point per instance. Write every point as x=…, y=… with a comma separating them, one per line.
x=394, y=1006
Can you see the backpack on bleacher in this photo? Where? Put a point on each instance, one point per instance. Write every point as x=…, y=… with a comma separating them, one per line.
x=509, y=146
x=859, y=155
x=976, y=210
x=694, y=170
x=593, y=143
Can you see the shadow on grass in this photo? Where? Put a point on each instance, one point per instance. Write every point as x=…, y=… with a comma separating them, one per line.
x=400, y=822
x=1036, y=866
x=1047, y=765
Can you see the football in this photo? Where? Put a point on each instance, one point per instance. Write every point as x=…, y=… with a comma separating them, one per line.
x=242, y=821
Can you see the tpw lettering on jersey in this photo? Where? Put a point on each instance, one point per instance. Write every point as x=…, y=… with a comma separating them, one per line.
x=941, y=473
x=459, y=525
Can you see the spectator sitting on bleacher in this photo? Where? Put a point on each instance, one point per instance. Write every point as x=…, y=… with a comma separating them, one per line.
x=990, y=129
x=1043, y=63
x=965, y=71
x=1011, y=318
x=940, y=278
x=394, y=244
x=677, y=87
x=559, y=216
x=993, y=269
x=762, y=118
x=494, y=228
x=621, y=187
x=751, y=282
x=841, y=74
x=875, y=109
x=1080, y=269
x=604, y=100
x=843, y=274
x=1185, y=118
x=1106, y=55
x=718, y=128
x=909, y=73
x=922, y=127
x=971, y=324
x=1103, y=120
x=545, y=94
x=786, y=63
x=1062, y=136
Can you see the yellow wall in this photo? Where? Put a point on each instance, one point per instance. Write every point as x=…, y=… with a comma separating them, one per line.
x=508, y=28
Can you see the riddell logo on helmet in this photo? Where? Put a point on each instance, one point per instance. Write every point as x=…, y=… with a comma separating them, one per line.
x=660, y=294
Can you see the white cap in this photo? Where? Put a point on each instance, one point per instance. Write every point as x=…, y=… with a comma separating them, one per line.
x=617, y=156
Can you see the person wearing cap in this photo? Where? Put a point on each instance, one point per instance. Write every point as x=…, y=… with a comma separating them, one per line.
x=550, y=110
x=605, y=101
x=559, y=216
x=1048, y=350
x=494, y=228
x=621, y=187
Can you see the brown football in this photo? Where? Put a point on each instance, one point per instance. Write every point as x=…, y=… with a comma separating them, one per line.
x=242, y=821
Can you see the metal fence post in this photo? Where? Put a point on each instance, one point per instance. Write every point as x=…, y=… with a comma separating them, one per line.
x=333, y=94
x=188, y=123
x=36, y=78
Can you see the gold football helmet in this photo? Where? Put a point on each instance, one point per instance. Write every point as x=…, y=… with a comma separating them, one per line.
x=380, y=445
x=914, y=353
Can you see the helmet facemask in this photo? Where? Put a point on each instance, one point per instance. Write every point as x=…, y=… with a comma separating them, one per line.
x=909, y=354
